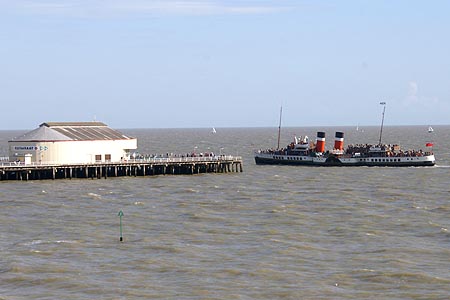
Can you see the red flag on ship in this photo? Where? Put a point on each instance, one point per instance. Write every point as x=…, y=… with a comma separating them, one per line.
x=429, y=145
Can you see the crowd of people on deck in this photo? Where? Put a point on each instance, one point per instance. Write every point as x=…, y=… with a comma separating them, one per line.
x=282, y=151
x=363, y=149
x=171, y=155
x=273, y=151
x=390, y=150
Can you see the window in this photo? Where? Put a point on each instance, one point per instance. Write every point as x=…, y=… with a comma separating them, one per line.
x=98, y=157
x=108, y=157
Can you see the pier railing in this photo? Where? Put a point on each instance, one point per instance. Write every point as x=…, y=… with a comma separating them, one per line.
x=156, y=160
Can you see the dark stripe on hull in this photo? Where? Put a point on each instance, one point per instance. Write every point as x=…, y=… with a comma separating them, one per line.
x=271, y=161
x=336, y=163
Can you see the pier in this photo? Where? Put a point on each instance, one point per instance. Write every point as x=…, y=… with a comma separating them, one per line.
x=133, y=167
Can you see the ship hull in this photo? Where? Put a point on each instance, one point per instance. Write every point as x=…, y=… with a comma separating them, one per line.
x=416, y=161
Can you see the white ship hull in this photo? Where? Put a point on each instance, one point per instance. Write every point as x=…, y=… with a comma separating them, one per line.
x=405, y=161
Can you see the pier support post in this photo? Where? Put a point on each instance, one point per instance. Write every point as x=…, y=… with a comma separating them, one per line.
x=97, y=170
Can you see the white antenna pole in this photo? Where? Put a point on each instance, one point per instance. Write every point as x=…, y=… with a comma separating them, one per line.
x=279, y=127
x=382, y=121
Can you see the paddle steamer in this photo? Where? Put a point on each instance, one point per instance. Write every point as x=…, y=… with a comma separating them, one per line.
x=303, y=152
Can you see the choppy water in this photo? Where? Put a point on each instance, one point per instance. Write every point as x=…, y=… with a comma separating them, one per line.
x=271, y=232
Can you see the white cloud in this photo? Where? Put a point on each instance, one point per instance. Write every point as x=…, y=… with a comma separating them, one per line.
x=414, y=97
x=96, y=8
x=413, y=90
x=193, y=7
x=28, y=6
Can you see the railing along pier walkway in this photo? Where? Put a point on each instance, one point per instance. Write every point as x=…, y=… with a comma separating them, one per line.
x=133, y=167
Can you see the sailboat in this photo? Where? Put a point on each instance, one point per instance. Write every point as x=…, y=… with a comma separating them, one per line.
x=358, y=129
x=430, y=129
x=213, y=130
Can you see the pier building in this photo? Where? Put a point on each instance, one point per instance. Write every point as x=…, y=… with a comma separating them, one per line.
x=71, y=143
x=66, y=150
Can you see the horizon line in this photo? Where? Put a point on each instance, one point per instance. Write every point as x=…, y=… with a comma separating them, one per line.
x=244, y=127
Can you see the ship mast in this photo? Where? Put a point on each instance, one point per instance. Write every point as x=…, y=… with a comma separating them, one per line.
x=382, y=121
x=279, y=128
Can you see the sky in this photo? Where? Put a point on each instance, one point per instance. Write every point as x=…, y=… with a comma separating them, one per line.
x=216, y=63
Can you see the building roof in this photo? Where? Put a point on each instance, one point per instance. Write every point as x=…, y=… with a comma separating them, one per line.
x=73, y=124
x=72, y=131
x=42, y=134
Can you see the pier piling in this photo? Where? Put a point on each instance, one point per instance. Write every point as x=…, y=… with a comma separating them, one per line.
x=149, y=167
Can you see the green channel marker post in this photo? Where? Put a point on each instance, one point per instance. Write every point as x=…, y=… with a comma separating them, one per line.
x=120, y=216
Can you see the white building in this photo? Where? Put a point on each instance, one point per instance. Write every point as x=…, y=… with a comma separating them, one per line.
x=71, y=143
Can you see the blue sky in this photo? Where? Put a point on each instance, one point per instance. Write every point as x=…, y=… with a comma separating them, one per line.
x=163, y=64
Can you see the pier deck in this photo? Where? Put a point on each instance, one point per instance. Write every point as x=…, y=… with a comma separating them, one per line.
x=134, y=167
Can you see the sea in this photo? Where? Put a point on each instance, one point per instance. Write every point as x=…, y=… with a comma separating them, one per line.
x=270, y=232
